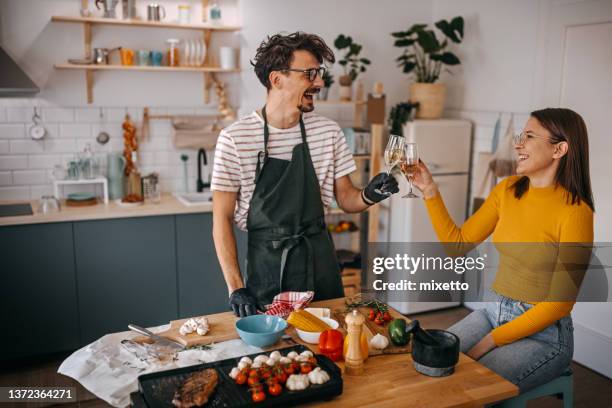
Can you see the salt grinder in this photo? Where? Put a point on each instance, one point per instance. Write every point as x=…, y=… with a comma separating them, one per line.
x=353, y=360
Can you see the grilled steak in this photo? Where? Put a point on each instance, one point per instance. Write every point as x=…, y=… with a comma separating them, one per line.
x=196, y=389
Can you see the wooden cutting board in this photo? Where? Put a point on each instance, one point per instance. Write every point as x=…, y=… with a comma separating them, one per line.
x=371, y=329
x=221, y=329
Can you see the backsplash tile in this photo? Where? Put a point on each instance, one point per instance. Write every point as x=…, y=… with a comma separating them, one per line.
x=26, y=165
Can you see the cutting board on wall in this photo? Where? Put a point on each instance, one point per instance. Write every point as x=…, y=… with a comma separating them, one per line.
x=221, y=329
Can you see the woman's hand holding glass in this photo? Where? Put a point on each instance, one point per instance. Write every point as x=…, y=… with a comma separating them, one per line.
x=421, y=178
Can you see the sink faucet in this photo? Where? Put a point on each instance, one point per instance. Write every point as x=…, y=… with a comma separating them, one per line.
x=201, y=157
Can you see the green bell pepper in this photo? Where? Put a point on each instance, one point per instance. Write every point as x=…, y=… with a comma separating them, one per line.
x=397, y=332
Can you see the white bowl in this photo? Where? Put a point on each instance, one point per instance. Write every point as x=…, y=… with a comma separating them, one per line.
x=313, y=337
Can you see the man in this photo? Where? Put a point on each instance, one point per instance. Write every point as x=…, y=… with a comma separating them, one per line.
x=274, y=172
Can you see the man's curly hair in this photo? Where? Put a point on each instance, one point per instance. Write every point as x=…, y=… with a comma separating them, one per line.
x=276, y=53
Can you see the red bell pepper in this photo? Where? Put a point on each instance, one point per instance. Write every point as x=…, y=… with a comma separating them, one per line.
x=331, y=343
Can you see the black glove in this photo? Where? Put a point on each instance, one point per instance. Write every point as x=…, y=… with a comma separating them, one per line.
x=243, y=303
x=375, y=191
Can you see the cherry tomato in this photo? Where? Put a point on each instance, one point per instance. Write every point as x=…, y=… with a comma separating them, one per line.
x=252, y=381
x=289, y=369
x=312, y=360
x=259, y=396
x=241, y=379
x=266, y=374
x=379, y=320
x=275, y=389
x=253, y=373
x=296, y=366
x=281, y=377
x=305, y=368
x=371, y=315
x=387, y=317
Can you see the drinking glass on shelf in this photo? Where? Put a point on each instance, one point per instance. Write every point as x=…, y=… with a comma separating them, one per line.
x=394, y=155
x=409, y=166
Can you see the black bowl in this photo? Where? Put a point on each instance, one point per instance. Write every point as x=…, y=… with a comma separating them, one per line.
x=436, y=359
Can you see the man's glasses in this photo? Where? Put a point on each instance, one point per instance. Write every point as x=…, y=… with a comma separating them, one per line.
x=522, y=137
x=311, y=73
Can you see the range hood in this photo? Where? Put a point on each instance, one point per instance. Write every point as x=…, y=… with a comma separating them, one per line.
x=13, y=80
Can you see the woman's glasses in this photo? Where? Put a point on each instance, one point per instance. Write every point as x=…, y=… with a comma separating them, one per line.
x=522, y=137
x=311, y=73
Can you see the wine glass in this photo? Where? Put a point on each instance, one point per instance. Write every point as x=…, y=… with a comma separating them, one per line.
x=394, y=155
x=410, y=166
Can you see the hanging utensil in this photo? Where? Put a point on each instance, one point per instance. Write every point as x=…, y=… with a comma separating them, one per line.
x=103, y=137
x=37, y=131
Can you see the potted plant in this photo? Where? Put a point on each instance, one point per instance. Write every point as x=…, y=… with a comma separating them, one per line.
x=399, y=115
x=423, y=56
x=352, y=64
x=328, y=80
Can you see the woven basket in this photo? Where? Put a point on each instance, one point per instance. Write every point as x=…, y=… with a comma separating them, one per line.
x=431, y=98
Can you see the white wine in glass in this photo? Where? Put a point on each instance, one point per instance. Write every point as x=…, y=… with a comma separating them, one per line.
x=394, y=155
x=410, y=166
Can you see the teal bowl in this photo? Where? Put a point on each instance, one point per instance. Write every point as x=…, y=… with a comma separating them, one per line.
x=260, y=330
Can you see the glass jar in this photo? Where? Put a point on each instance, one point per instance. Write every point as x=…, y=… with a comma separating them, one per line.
x=184, y=14
x=172, y=57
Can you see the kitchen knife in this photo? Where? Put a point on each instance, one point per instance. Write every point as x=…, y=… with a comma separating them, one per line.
x=161, y=340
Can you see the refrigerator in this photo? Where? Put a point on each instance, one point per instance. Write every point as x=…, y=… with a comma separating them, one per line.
x=444, y=145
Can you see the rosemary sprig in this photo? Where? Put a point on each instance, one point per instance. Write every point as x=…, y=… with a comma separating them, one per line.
x=357, y=302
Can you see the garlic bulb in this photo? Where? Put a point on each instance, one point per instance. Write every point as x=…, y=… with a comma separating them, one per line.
x=318, y=376
x=379, y=342
x=297, y=382
x=234, y=373
x=188, y=327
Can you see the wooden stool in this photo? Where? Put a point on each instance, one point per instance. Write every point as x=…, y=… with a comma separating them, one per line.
x=562, y=387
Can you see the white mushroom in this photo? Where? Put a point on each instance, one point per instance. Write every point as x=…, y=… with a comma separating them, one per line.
x=262, y=358
x=284, y=360
x=275, y=355
x=256, y=364
x=271, y=362
x=292, y=355
x=246, y=360
x=242, y=365
x=306, y=353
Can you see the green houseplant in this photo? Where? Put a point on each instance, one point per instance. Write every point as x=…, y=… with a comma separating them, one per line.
x=424, y=55
x=352, y=64
x=399, y=115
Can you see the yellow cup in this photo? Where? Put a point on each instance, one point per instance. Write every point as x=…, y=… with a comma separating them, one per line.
x=127, y=56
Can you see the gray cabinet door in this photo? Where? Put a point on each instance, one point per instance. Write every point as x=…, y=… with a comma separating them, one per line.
x=38, y=300
x=126, y=271
x=202, y=289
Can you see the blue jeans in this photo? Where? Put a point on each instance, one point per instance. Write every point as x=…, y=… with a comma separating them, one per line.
x=528, y=362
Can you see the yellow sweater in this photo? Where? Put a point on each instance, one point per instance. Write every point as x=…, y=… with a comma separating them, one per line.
x=542, y=215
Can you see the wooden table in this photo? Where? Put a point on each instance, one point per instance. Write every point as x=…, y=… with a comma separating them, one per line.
x=391, y=381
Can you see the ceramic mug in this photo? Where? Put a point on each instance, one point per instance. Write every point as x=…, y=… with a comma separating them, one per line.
x=143, y=57
x=127, y=56
x=156, y=58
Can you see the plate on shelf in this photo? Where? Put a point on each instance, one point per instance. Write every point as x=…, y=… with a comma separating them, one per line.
x=202, y=46
x=127, y=205
x=80, y=61
x=81, y=196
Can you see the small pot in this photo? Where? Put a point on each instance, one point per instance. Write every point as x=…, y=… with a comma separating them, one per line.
x=431, y=98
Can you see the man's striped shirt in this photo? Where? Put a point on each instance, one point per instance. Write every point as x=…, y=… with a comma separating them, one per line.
x=238, y=146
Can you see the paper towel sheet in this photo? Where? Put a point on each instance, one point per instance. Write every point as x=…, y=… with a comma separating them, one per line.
x=110, y=370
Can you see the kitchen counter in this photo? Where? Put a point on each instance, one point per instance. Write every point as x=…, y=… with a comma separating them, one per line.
x=169, y=205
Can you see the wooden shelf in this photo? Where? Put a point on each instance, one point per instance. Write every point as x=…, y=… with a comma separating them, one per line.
x=94, y=67
x=142, y=23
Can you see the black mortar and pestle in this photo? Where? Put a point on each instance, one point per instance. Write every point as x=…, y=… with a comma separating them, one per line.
x=434, y=352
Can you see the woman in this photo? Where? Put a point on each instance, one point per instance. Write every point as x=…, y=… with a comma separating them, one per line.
x=550, y=203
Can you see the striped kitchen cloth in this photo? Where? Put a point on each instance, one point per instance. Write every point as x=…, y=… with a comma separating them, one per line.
x=286, y=302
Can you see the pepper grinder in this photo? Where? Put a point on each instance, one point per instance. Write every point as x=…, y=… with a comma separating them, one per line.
x=353, y=360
